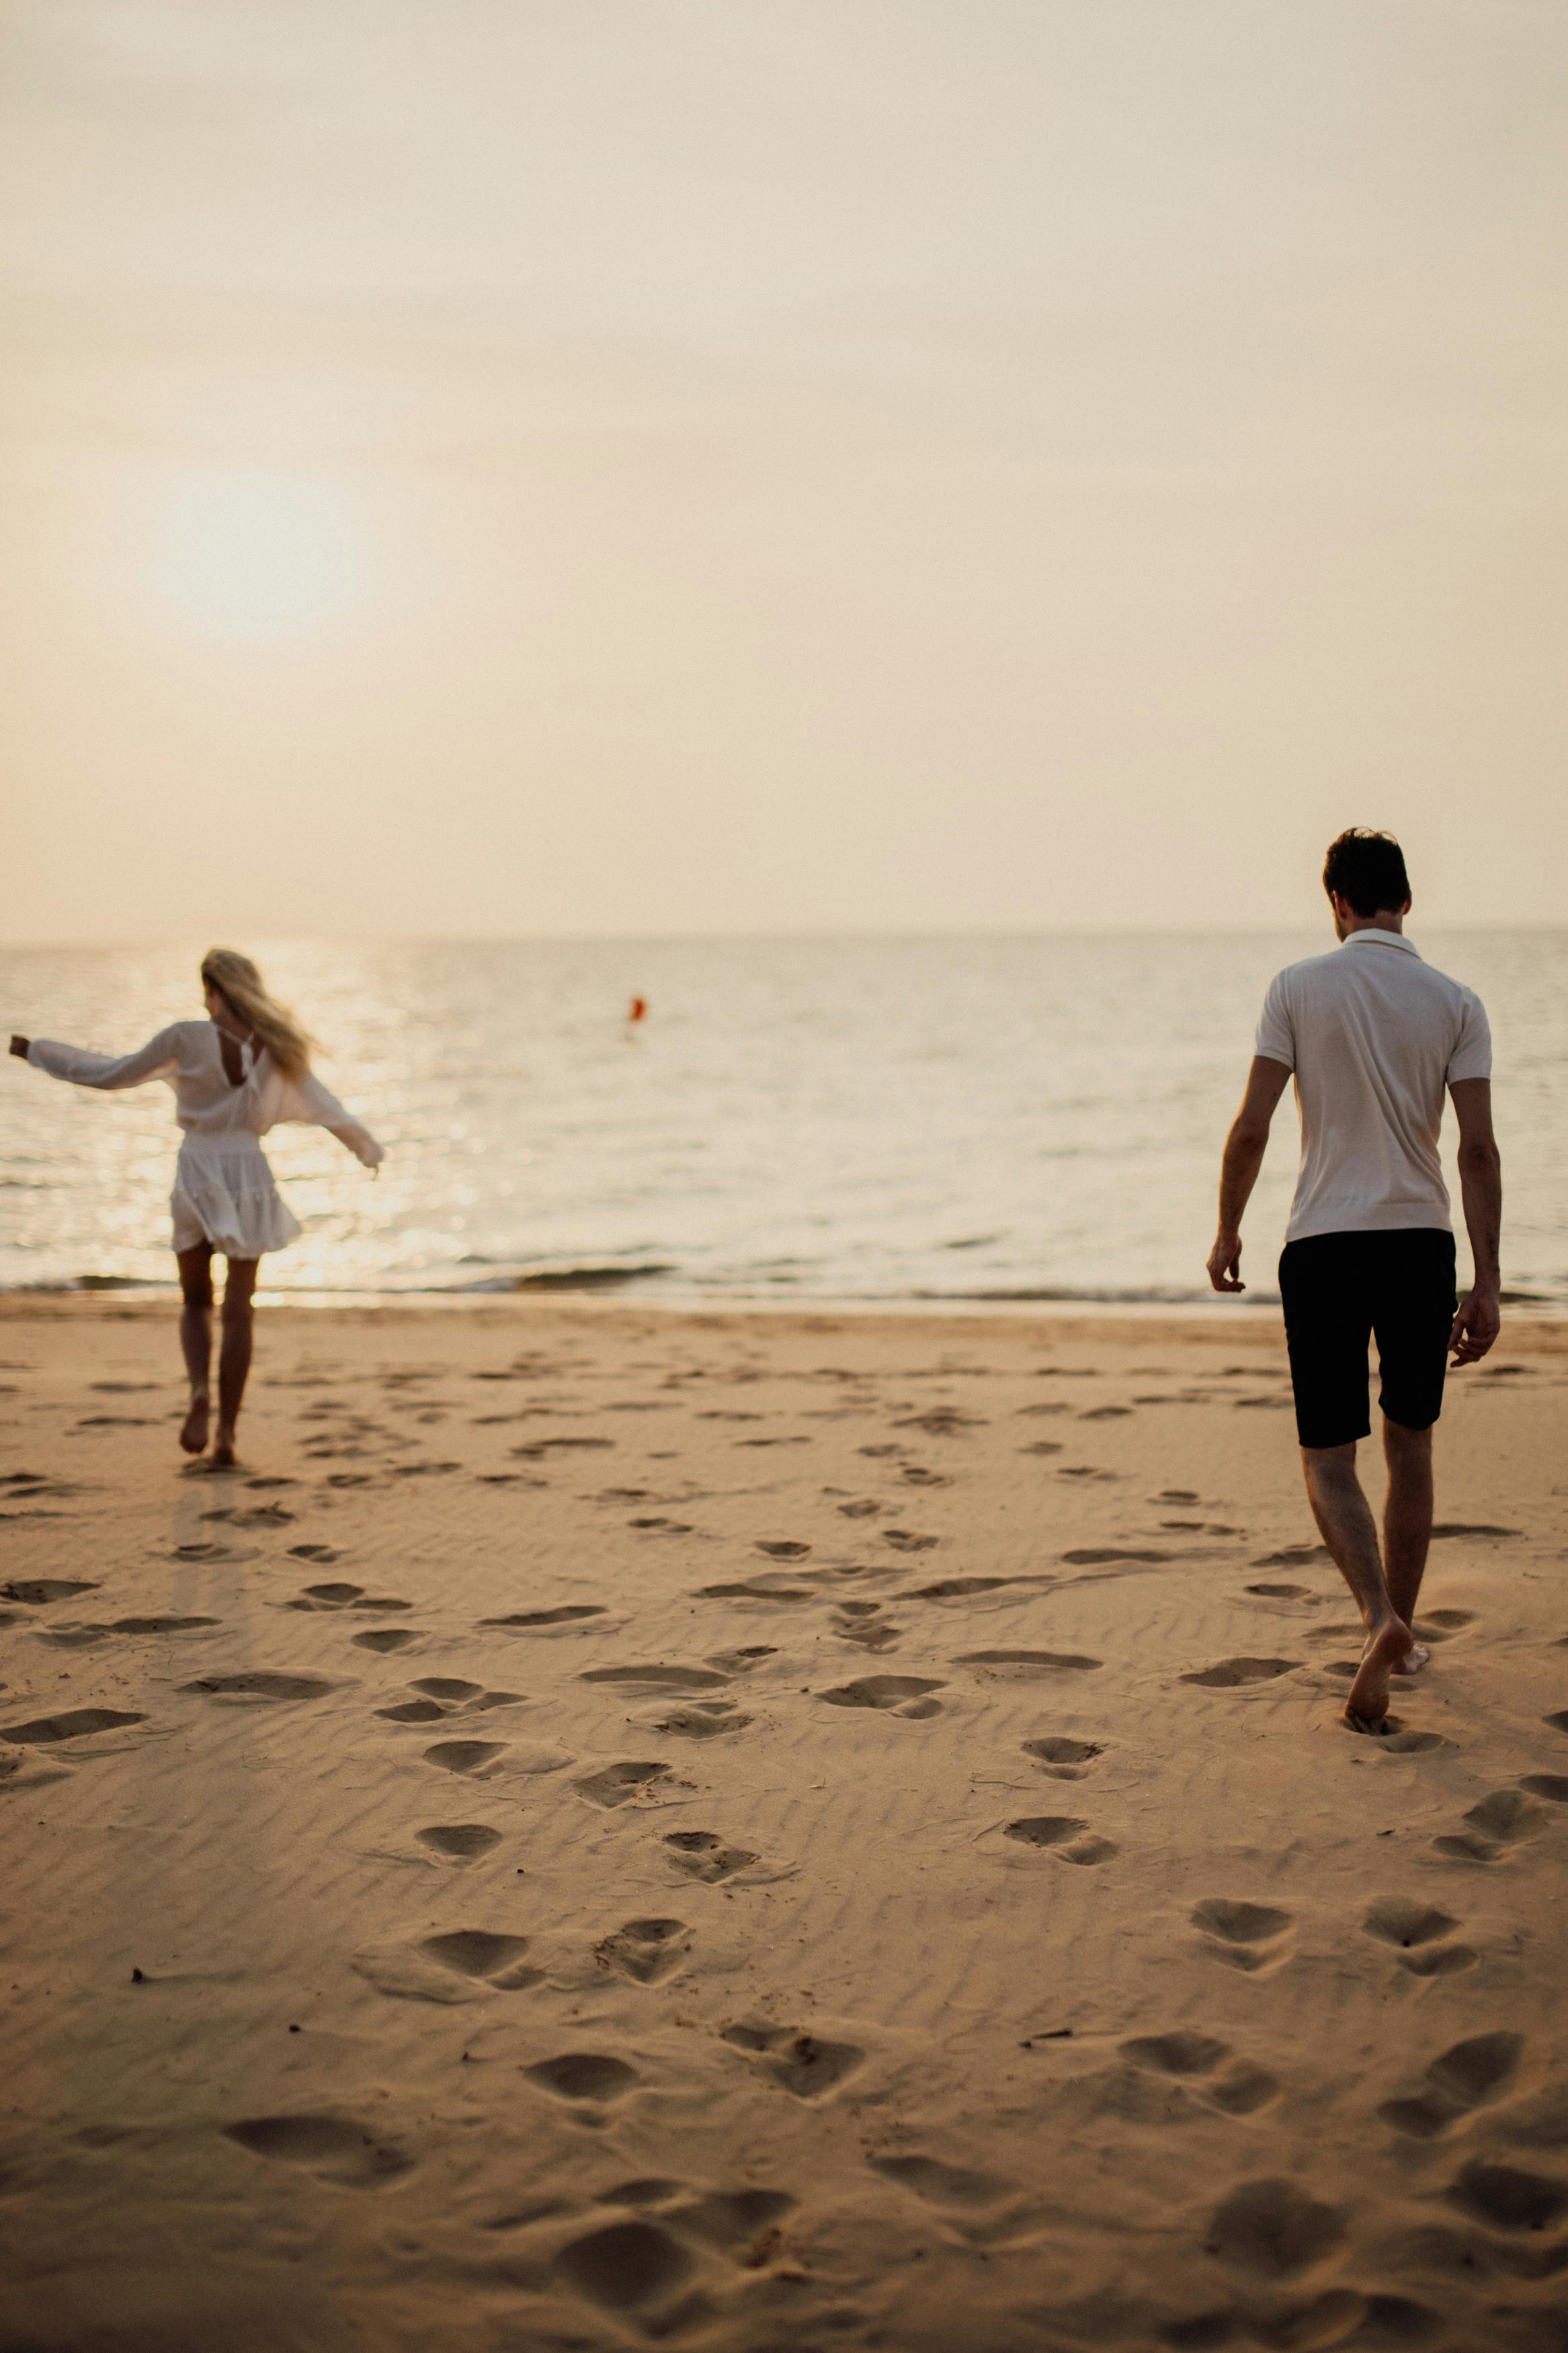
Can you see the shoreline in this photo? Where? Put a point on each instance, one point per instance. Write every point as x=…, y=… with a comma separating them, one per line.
x=1526, y=1332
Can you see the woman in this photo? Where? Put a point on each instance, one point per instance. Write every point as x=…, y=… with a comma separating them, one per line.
x=235, y=1075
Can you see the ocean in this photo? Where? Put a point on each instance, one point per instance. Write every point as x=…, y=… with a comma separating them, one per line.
x=999, y=1119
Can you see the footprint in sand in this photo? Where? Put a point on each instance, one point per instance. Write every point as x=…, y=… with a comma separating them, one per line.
x=1244, y=1936
x=1417, y=1933
x=464, y=1755
x=1063, y=1835
x=616, y=1784
x=38, y=1592
x=741, y=2223
x=786, y=1549
x=260, y=1684
x=1552, y=1786
x=482, y=1953
x=459, y=1842
x=808, y=2065
x=628, y=2267
x=1466, y=2077
x=646, y=1951
x=704, y=1719
x=540, y=1621
x=1233, y=1675
x=702, y=1855
x=909, y=1696
x=656, y=1679
x=1437, y=1625
x=1558, y=1723
x=1290, y=1556
x=91, y=1632
x=321, y=1552
x=906, y=1540
x=346, y=1596
x=959, y=1588
x=1101, y=1556
x=74, y=1724
x=332, y=2147
x=1283, y=1592
x=942, y=1421
x=742, y=1661
x=861, y=1622
x=442, y=1697
x=460, y=1966
x=1506, y=2199
x=1064, y=1759
x=1241, y=2091
x=1397, y=1740
x=1499, y=1823
x=585, y=2078
x=389, y=1638
x=755, y=1591
x=860, y=1509
x=1272, y=2230
x=1023, y=1665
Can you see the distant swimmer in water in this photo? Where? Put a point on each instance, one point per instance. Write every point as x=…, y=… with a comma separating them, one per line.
x=243, y=1070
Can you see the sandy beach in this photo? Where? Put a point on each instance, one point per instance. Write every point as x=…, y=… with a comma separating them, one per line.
x=765, y=1832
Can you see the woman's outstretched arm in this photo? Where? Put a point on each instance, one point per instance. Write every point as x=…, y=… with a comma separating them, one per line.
x=158, y=1059
x=311, y=1104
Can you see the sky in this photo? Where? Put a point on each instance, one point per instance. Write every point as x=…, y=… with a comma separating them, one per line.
x=510, y=467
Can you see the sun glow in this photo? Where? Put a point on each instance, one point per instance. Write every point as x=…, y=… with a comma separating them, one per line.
x=251, y=554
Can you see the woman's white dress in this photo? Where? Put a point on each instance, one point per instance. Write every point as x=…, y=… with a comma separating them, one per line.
x=224, y=1191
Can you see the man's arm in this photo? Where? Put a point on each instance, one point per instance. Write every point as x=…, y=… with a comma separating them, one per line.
x=1479, y=1318
x=1244, y=1150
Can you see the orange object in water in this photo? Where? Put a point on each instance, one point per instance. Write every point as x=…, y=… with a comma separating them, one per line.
x=637, y=1010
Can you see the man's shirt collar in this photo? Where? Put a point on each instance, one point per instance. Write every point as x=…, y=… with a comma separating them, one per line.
x=1385, y=939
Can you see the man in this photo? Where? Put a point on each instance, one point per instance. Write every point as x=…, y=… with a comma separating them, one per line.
x=1371, y=1034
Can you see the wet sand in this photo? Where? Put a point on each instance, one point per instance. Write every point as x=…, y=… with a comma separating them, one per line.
x=759, y=1831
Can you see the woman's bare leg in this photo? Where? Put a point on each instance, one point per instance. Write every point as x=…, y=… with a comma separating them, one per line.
x=233, y=1356
x=196, y=1338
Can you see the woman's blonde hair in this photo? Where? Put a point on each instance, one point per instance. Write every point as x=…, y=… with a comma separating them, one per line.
x=241, y=986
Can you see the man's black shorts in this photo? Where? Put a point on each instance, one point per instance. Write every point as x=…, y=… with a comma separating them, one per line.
x=1338, y=1290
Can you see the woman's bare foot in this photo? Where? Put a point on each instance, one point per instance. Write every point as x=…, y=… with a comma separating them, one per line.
x=1367, y=1703
x=224, y=1456
x=194, y=1429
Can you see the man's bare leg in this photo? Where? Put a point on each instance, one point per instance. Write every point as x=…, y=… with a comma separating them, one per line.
x=1406, y=1525
x=196, y=1339
x=1344, y=1519
x=233, y=1356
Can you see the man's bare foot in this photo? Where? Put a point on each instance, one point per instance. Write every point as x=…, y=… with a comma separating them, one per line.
x=1366, y=1704
x=194, y=1429
x=224, y=1456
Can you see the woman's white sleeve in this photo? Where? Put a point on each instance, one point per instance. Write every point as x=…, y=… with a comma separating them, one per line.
x=307, y=1103
x=159, y=1059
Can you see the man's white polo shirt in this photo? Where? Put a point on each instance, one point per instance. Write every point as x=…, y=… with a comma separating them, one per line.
x=1373, y=1035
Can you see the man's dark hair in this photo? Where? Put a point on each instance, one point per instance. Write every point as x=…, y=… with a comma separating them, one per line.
x=1367, y=870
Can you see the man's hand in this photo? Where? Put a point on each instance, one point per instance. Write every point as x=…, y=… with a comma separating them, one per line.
x=19, y=1046
x=1225, y=1263
x=1476, y=1326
